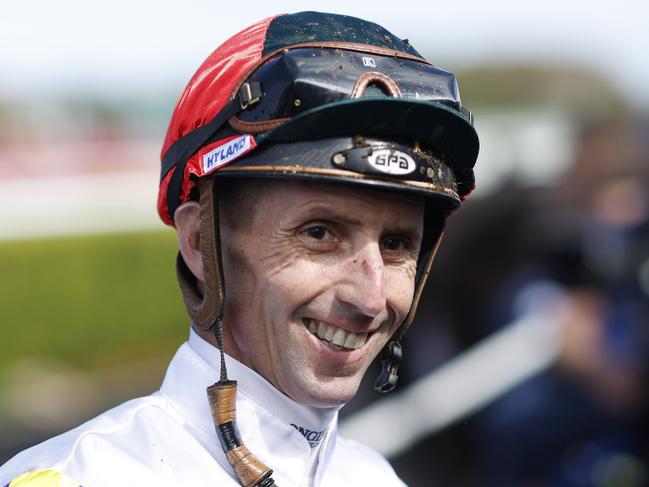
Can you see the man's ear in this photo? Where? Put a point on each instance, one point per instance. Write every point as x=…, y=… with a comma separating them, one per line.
x=187, y=220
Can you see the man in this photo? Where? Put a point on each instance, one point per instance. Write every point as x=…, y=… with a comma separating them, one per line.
x=308, y=168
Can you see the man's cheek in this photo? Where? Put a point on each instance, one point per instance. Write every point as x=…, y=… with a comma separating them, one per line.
x=401, y=290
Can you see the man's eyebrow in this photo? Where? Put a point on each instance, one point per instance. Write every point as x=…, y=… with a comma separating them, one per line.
x=396, y=228
x=325, y=212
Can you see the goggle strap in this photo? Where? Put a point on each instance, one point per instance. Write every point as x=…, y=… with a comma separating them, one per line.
x=180, y=151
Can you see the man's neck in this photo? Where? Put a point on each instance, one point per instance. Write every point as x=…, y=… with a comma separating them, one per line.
x=311, y=422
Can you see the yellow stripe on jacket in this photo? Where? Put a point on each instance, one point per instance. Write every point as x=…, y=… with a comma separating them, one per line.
x=43, y=478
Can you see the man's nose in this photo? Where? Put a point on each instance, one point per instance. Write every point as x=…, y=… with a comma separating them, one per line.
x=363, y=284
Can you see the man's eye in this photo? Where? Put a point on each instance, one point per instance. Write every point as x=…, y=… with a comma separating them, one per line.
x=316, y=232
x=396, y=244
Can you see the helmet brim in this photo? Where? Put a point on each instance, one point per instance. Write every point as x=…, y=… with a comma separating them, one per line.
x=439, y=128
x=313, y=160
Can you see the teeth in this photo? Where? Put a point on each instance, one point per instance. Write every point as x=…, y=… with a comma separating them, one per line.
x=336, y=336
x=339, y=337
x=329, y=332
x=361, y=338
x=350, y=341
x=321, y=330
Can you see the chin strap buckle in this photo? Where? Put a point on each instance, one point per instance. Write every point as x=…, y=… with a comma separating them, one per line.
x=390, y=360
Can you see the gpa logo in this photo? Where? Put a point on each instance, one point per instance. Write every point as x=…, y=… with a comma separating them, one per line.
x=313, y=437
x=392, y=161
x=227, y=152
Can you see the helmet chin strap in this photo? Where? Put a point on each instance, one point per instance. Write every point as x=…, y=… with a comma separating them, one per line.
x=206, y=312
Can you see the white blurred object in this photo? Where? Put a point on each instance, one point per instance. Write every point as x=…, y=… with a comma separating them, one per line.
x=533, y=147
x=83, y=204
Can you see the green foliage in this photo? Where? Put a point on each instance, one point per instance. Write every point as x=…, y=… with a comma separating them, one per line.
x=91, y=301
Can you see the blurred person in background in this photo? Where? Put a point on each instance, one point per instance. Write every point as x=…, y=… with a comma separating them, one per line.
x=583, y=422
x=309, y=168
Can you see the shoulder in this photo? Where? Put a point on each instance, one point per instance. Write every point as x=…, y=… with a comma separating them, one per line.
x=371, y=467
x=103, y=443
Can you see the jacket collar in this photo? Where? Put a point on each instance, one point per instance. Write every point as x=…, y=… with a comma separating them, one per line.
x=265, y=416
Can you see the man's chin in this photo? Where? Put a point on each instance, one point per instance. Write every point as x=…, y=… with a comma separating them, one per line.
x=333, y=393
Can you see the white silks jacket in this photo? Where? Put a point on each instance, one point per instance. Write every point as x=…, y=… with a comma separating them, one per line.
x=169, y=439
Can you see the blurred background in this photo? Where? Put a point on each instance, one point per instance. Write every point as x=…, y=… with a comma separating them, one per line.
x=527, y=365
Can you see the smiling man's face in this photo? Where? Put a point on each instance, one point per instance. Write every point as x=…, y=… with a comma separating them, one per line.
x=318, y=277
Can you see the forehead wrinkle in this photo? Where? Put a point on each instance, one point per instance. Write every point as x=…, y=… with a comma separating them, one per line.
x=367, y=193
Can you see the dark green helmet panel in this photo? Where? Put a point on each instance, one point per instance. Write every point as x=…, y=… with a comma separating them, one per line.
x=302, y=27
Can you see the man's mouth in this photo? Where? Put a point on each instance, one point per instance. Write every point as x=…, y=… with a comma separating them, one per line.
x=337, y=338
